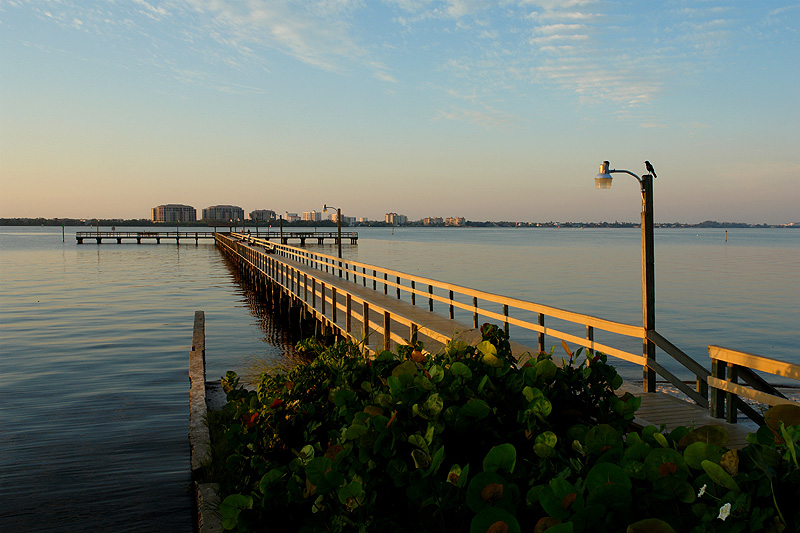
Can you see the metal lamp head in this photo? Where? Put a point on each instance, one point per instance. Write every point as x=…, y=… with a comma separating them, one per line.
x=603, y=178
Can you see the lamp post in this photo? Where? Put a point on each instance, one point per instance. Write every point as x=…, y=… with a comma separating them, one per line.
x=338, y=233
x=338, y=226
x=603, y=181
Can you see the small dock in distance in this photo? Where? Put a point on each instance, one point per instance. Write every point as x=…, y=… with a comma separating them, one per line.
x=283, y=237
x=139, y=236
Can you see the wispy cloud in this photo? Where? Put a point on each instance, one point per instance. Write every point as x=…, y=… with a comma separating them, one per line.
x=149, y=10
x=596, y=50
x=487, y=119
x=317, y=33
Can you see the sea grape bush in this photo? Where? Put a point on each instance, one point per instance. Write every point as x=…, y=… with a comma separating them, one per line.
x=467, y=440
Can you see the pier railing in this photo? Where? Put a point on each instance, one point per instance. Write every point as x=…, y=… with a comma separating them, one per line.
x=727, y=366
x=479, y=304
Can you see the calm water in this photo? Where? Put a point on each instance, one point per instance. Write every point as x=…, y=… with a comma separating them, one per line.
x=94, y=340
x=94, y=350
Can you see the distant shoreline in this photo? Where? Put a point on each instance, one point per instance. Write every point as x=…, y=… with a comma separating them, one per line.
x=73, y=222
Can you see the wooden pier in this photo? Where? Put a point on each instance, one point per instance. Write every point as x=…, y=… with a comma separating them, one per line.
x=283, y=237
x=139, y=236
x=382, y=308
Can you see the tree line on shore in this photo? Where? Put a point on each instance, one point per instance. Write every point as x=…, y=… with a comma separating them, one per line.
x=143, y=222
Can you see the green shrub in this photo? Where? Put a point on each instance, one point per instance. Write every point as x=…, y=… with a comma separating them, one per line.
x=467, y=441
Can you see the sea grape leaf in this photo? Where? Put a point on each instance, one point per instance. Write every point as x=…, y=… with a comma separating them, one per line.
x=461, y=370
x=494, y=520
x=697, y=452
x=602, y=438
x=500, y=457
x=487, y=489
x=547, y=437
x=605, y=474
x=709, y=434
x=475, y=408
x=665, y=462
x=719, y=475
x=231, y=507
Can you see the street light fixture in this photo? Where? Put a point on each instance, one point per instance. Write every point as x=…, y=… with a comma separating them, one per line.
x=325, y=207
x=603, y=181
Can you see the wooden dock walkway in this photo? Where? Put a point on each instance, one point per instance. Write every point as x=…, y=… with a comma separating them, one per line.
x=383, y=308
x=283, y=237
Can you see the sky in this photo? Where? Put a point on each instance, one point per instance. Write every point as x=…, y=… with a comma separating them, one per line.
x=488, y=110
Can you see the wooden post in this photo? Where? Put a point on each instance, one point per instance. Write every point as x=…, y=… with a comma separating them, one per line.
x=716, y=402
x=385, y=285
x=541, y=333
x=366, y=322
x=731, y=399
x=505, y=314
x=333, y=304
x=387, y=330
x=475, y=311
x=452, y=309
x=648, y=282
x=430, y=300
x=374, y=281
x=590, y=337
x=398, y=287
x=349, y=313
x=413, y=294
x=322, y=296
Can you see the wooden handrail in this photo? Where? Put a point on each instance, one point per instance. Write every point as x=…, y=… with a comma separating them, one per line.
x=728, y=365
x=424, y=287
x=755, y=362
x=523, y=305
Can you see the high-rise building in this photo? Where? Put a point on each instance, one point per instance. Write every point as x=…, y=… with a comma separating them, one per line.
x=263, y=215
x=223, y=213
x=173, y=213
x=312, y=216
x=454, y=221
x=290, y=217
x=396, y=220
x=433, y=221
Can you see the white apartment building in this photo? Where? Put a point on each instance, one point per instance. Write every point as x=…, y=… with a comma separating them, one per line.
x=263, y=215
x=223, y=213
x=173, y=213
x=290, y=217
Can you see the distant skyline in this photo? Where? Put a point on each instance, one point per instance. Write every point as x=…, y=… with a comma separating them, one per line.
x=490, y=110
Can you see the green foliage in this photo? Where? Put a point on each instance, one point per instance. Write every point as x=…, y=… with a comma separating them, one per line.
x=467, y=441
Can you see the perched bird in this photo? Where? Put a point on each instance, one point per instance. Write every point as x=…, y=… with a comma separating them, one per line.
x=650, y=168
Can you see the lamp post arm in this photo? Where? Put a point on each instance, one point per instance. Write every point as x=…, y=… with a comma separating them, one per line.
x=641, y=184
